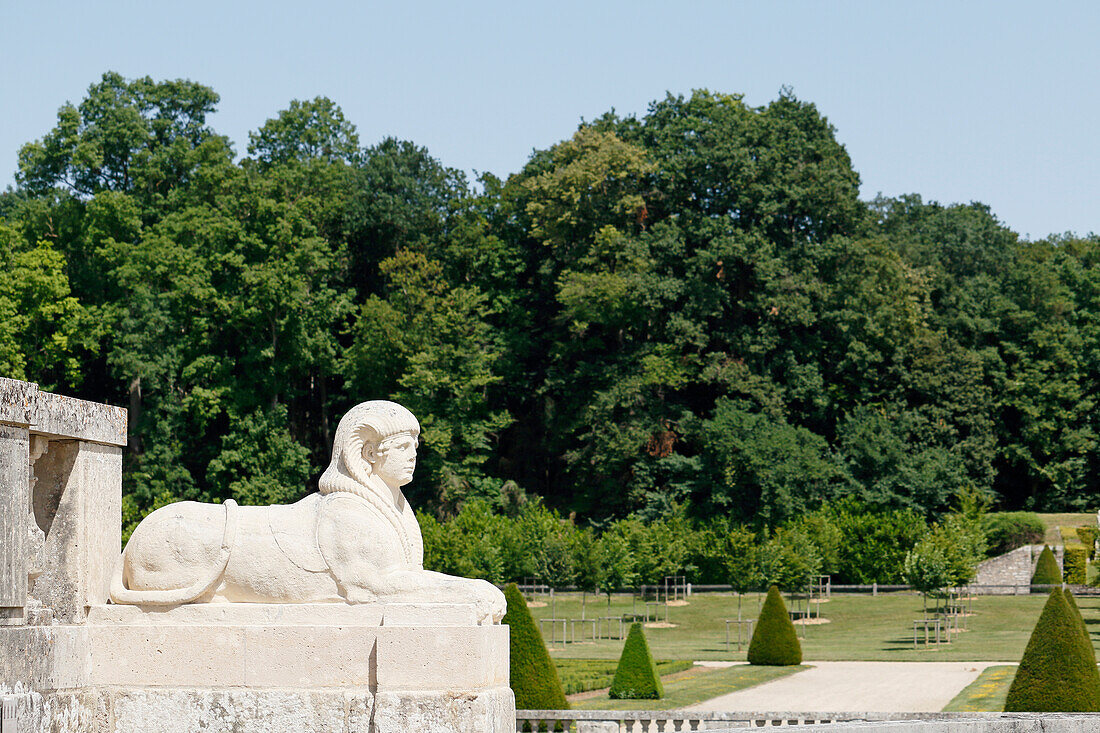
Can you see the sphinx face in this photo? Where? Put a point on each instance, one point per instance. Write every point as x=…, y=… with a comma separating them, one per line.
x=395, y=459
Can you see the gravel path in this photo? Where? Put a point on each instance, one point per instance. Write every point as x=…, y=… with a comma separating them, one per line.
x=879, y=687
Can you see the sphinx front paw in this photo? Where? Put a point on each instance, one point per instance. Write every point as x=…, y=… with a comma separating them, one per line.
x=489, y=602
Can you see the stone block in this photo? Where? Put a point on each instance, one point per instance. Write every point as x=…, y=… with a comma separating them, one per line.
x=14, y=518
x=166, y=656
x=45, y=658
x=310, y=656
x=470, y=658
x=18, y=401
x=228, y=711
x=491, y=711
x=78, y=505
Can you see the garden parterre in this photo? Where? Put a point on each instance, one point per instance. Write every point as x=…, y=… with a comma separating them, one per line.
x=860, y=627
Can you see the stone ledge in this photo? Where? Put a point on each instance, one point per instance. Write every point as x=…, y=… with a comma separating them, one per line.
x=68, y=417
x=59, y=417
x=287, y=614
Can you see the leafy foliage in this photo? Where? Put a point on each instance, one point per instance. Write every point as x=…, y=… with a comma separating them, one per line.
x=679, y=316
x=1057, y=672
x=636, y=676
x=774, y=641
x=534, y=679
x=1005, y=531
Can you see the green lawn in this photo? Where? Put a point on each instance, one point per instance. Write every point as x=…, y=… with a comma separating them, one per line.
x=986, y=694
x=1053, y=521
x=861, y=627
x=692, y=687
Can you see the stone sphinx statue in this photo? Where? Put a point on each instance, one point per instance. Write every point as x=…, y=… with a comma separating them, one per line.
x=355, y=541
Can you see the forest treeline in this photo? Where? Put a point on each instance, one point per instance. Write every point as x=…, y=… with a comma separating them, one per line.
x=689, y=310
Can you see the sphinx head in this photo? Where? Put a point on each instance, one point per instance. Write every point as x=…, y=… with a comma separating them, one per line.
x=375, y=439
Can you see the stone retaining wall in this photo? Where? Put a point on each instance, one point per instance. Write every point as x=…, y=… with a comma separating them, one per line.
x=1010, y=570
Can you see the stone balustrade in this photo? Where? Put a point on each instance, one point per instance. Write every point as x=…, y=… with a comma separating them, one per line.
x=658, y=721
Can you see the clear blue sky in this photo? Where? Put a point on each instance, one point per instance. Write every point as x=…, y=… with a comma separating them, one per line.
x=996, y=102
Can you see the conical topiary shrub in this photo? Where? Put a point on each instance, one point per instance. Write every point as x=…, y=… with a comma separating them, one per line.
x=1057, y=672
x=1081, y=620
x=534, y=678
x=773, y=640
x=1047, y=571
x=636, y=676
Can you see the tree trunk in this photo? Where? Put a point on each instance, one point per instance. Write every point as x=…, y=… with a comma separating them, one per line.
x=135, y=416
x=324, y=412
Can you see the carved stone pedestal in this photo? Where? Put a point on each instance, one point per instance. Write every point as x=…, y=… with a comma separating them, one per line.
x=305, y=660
x=263, y=667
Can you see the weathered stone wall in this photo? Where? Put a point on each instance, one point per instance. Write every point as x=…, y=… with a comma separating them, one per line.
x=1011, y=570
x=240, y=710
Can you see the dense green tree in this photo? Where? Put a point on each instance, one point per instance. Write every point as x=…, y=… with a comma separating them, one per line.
x=42, y=326
x=874, y=541
x=429, y=346
x=312, y=130
x=767, y=467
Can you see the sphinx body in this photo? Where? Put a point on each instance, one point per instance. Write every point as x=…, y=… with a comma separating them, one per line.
x=356, y=541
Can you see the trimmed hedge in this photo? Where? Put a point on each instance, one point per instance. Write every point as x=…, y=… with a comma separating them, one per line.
x=582, y=675
x=1047, y=571
x=636, y=677
x=773, y=640
x=1087, y=535
x=1084, y=628
x=1058, y=671
x=1074, y=562
x=534, y=679
x=1005, y=531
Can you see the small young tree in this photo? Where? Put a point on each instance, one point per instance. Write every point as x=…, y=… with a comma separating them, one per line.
x=773, y=640
x=1058, y=671
x=587, y=562
x=616, y=565
x=636, y=676
x=927, y=568
x=534, y=678
x=742, y=569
